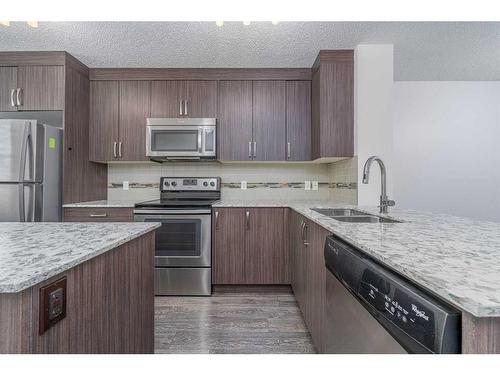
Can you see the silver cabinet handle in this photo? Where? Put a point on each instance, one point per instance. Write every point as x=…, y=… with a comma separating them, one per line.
x=185, y=107
x=12, y=101
x=302, y=225
x=247, y=219
x=119, y=149
x=306, y=243
x=255, y=149
x=114, y=149
x=250, y=149
x=18, y=97
x=98, y=215
x=180, y=107
x=288, y=150
x=216, y=219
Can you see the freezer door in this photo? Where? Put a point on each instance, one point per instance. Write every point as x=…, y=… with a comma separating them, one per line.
x=17, y=202
x=17, y=153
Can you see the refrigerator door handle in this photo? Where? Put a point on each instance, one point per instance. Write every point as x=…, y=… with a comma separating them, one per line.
x=22, y=212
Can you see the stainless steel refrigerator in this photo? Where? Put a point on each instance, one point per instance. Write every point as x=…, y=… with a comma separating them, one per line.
x=30, y=171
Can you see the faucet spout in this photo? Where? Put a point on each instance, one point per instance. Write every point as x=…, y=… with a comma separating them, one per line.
x=384, y=200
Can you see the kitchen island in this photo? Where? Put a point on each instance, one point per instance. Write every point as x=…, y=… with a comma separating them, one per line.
x=456, y=259
x=95, y=280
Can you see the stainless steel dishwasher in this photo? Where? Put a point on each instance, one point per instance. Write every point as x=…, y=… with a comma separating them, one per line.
x=371, y=309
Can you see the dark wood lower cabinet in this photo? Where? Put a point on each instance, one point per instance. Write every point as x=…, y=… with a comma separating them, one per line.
x=249, y=247
x=307, y=241
x=110, y=307
x=98, y=214
x=228, y=263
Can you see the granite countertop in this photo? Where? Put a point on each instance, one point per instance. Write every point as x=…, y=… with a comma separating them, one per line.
x=33, y=252
x=102, y=203
x=456, y=258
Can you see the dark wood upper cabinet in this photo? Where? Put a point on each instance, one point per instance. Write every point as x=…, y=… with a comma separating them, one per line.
x=8, y=86
x=42, y=88
x=184, y=99
x=235, y=120
x=265, y=258
x=298, y=120
x=333, y=104
x=134, y=109
x=269, y=120
x=166, y=99
x=104, y=120
x=200, y=99
x=229, y=246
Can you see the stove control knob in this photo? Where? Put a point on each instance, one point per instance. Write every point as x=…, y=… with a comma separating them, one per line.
x=205, y=183
x=212, y=183
x=166, y=183
x=174, y=183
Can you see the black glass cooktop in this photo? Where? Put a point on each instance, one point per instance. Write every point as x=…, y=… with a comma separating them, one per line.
x=164, y=203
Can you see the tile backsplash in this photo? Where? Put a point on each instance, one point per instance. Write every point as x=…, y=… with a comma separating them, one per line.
x=264, y=181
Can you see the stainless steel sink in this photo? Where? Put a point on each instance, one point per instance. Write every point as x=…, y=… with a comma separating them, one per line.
x=365, y=219
x=339, y=212
x=349, y=215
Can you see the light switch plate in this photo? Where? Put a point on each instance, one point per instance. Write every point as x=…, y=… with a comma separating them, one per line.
x=125, y=185
x=307, y=185
x=315, y=185
x=243, y=185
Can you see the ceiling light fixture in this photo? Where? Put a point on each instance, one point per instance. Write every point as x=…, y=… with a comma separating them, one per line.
x=246, y=23
x=5, y=23
x=219, y=23
x=32, y=23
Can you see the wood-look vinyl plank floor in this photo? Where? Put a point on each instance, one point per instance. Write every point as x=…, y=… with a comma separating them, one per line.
x=231, y=321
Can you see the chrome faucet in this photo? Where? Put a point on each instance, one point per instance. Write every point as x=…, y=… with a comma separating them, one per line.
x=384, y=200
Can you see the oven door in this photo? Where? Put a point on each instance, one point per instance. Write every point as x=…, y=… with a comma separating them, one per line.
x=184, y=238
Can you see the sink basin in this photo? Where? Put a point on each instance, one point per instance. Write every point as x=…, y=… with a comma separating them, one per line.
x=365, y=219
x=349, y=215
x=339, y=212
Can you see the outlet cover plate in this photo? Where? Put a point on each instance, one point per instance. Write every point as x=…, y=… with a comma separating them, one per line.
x=125, y=185
x=243, y=185
x=307, y=185
x=315, y=185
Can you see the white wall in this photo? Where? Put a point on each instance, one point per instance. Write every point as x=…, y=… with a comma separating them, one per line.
x=447, y=147
x=373, y=108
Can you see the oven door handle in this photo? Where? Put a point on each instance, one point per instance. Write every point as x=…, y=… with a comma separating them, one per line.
x=172, y=212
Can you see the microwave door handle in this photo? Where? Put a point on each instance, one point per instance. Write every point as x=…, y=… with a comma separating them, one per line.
x=200, y=141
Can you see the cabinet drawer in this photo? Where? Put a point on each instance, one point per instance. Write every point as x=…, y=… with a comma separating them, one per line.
x=99, y=214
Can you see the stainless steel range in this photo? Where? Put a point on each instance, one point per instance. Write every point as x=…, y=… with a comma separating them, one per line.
x=183, y=249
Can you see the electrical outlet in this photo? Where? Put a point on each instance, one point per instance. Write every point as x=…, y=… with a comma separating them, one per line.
x=243, y=185
x=307, y=185
x=125, y=185
x=315, y=185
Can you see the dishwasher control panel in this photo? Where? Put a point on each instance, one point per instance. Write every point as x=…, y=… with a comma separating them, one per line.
x=418, y=320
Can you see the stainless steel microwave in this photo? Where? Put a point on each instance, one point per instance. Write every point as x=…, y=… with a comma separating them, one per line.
x=181, y=138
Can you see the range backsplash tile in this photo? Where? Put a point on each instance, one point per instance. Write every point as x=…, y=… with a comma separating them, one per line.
x=264, y=181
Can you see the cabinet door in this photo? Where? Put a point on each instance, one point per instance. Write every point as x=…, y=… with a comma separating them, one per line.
x=235, y=120
x=315, y=282
x=8, y=82
x=103, y=126
x=134, y=109
x=166, y=98
x=269, y=132
x=265, y=255
x=298, y=120
x=42, y=88
x=228, y=266
x=201, y=99
x=298, y=266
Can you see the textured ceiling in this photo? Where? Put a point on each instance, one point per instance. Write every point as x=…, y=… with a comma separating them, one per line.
x=423, y=50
